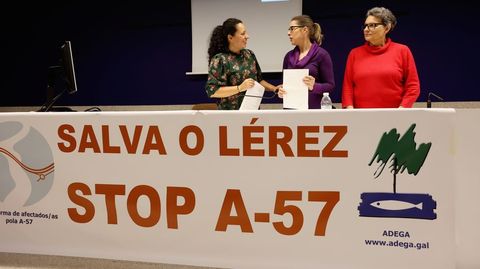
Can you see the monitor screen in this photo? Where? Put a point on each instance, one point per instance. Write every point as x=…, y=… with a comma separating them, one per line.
x=61, y=79
x=68, y=67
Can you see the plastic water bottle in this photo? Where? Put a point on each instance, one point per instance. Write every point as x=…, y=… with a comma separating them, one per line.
x=326, y=102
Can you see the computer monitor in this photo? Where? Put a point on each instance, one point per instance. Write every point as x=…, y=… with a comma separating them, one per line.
x=68, y=67
x=61, y=79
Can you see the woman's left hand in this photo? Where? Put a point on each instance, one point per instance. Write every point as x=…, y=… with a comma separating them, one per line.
x=280, y=91
x=309, y=81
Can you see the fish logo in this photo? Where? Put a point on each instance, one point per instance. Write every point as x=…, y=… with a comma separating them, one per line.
x=403, y=155
x=395, y=205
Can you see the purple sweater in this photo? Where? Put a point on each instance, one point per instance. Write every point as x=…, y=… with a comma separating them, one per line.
x=319, y=64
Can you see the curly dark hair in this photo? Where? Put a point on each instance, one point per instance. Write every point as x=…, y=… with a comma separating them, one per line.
x=219, y=40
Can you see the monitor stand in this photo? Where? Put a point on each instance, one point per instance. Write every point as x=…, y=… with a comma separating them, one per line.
x=53, y=73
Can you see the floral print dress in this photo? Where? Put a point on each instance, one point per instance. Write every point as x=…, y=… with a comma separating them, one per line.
x=231, y=69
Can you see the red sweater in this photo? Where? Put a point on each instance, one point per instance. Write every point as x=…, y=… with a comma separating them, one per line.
x=380, y=77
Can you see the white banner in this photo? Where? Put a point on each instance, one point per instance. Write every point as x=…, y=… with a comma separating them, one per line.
x=263, y=189
x=467, y=186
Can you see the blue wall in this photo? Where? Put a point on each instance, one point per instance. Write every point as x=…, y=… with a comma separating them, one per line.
x=138, y=55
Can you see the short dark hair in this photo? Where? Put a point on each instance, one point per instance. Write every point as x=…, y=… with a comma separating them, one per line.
x=383, y=14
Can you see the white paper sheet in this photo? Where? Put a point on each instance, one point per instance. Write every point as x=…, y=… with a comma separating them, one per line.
x=253, y=97
x=297, y=91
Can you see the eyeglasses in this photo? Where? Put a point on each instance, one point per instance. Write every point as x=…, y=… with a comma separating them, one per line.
x=291, y=28
x=371, y=26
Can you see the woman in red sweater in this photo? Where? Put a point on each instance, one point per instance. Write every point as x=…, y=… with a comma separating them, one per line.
x=380, y=73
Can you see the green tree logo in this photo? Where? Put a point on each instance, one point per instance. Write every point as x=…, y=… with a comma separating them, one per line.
x=402, y=153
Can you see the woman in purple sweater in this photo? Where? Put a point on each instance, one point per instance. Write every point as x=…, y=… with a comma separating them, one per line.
x=307, y=54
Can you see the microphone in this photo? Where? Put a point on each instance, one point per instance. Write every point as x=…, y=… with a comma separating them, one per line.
x=429, y=100
x=254, y=104
x=271, y=96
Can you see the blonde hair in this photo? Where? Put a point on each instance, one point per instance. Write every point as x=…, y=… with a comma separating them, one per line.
x=313, y=28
